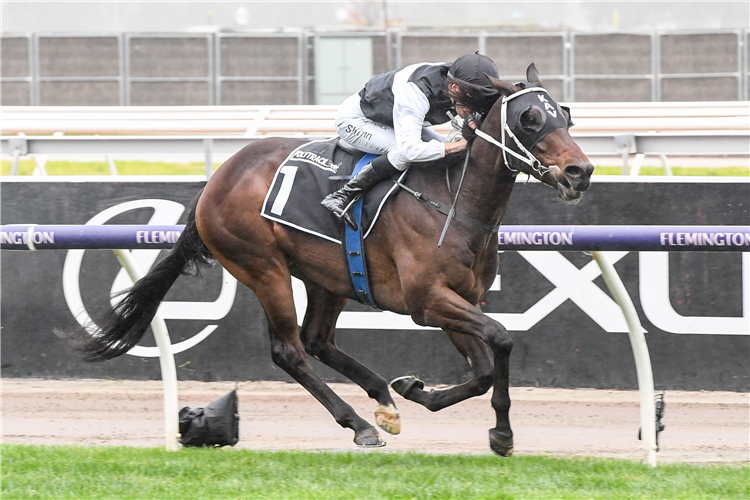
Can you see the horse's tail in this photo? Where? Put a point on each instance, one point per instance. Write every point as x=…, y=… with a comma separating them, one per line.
x=124, y=326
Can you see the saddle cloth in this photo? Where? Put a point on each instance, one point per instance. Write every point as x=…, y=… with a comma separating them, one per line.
x=310, y=173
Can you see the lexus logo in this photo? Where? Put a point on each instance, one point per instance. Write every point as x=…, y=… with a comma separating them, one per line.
x=165, y=213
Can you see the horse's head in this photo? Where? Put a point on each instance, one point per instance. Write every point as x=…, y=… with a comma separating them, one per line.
x=533, y=135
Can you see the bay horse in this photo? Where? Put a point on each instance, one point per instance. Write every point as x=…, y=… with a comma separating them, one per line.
x=409, y=274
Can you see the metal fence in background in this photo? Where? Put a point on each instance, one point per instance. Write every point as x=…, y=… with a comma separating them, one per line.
x=279, y=68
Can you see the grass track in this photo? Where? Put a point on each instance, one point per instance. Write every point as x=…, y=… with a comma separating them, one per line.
x=682, y=171
x=26, y=167
x=141, y=473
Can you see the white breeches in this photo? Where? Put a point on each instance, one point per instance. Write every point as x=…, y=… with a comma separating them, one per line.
x=361, y=133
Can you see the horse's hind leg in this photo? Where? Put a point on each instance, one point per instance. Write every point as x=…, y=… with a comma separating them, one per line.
x=274, y=291
x=480, y=359
x=318, y=335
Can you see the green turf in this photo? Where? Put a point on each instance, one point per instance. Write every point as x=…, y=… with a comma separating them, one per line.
x=120, y=473
x=681, y=171
x=26, y=167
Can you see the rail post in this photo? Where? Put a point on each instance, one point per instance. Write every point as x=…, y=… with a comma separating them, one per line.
x=19, y=148
x=640, y=353
x=166, y=361
x=208, y=145
x=625, y=145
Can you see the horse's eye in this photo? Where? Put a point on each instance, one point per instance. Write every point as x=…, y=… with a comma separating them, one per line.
x=532, y=120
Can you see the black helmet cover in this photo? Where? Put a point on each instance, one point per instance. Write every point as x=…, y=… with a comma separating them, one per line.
x=471, y=73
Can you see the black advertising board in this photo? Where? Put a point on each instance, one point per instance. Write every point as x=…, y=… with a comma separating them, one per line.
x=567, y=330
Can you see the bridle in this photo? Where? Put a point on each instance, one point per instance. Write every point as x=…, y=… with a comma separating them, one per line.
x=547, y=125
x=506, y=130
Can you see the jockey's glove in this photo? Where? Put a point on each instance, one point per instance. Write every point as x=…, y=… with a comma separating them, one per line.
x=471, y=123
x=457, y=124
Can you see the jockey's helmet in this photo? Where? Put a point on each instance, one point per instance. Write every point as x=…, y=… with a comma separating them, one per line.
x=471, y=73
x=474, y=69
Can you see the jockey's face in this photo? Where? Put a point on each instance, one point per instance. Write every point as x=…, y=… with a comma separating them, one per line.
x=462, y=111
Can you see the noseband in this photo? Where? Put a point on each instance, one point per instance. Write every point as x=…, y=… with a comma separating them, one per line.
x=552, y=119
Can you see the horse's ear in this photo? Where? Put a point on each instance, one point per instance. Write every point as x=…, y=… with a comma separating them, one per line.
x=505, y=88
x=532, y=75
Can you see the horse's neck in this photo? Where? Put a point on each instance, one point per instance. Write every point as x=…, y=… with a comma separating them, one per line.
x=484, y=193
x=486, y=189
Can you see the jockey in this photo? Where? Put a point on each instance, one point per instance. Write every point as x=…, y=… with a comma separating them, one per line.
x=390, y=116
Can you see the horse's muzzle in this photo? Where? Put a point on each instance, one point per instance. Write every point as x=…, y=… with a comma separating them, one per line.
x=579, y=176
x=572, y=180
x=567, y=193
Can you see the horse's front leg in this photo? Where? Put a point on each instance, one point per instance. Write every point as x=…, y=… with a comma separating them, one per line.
x=479, y=356
x=318, y=335
x=445, y=309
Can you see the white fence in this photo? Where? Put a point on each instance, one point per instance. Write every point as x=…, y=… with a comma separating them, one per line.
x=261, y=120
x=623, y=129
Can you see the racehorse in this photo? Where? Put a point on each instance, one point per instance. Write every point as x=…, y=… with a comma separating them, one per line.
x=409, y=274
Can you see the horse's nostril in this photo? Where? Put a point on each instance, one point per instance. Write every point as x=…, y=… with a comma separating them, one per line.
x=573, y=172
x=578, y=177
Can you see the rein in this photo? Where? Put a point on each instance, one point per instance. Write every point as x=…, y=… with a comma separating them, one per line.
x=529, y=159
x=451, y=213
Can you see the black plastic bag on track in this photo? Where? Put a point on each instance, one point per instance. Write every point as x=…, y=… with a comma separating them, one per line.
x=216, y=424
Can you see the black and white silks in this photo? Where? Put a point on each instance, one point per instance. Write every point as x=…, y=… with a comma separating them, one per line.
x=394, y=111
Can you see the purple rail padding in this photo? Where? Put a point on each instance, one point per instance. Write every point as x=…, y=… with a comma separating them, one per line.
x=625, y=238
x=562, y=238
x=46, y=237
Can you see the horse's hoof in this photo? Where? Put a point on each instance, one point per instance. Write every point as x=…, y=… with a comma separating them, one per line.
x=501, y=442
x=368, y=438
x=407, y=384
x=387, y=419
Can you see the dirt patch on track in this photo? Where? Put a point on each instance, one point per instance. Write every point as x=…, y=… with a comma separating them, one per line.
x=702, y=427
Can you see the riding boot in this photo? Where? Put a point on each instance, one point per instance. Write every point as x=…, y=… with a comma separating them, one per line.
x=341, y=200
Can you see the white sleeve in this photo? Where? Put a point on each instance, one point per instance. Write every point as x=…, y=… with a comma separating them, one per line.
x=410, y=106
x=429, y=134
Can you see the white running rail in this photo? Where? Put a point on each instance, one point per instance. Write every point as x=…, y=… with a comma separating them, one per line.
x=711, y=129
x=636, y=117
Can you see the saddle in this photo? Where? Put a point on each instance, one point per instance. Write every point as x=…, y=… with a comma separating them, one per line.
x=306, y=176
